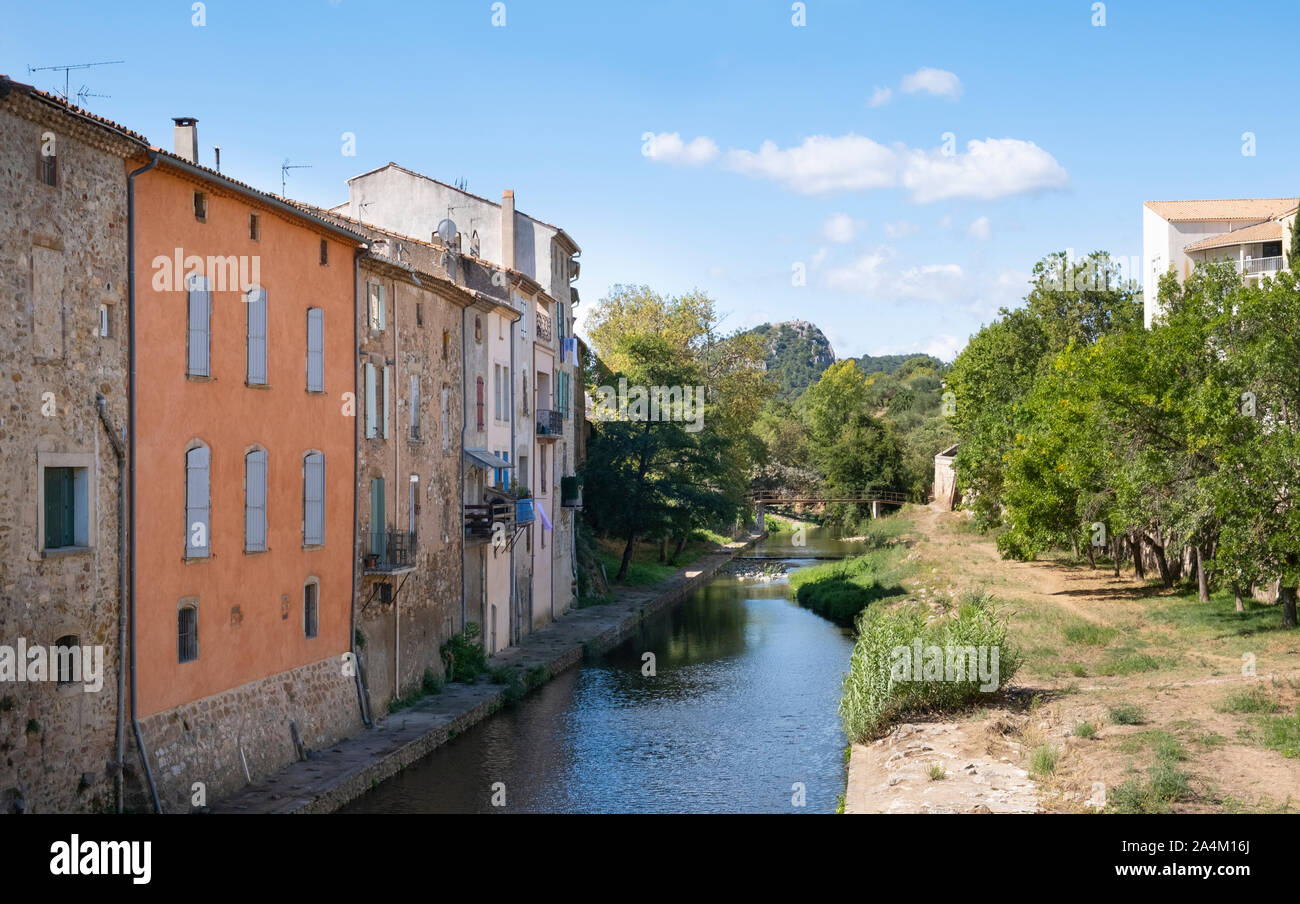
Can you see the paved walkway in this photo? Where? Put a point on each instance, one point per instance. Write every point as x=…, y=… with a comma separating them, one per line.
x=344, y=771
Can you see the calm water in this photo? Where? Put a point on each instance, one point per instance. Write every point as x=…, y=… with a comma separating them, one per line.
x=743, y=706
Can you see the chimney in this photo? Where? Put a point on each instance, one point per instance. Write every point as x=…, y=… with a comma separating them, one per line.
x=185, y=138
x=508, y=229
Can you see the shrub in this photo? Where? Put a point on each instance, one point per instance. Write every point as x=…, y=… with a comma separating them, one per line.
x=1254, y=700
x=1089, y=634
x=1042, y=762
x=1085, y=730
x=875, y=692
x=1127, y=714
x=464, y=657
x=840, y=590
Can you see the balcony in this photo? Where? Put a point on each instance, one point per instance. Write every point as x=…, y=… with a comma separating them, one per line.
x=389, y=552
x=550, y=424
x=479, y=517
x=1260, y=265
x=543, y=326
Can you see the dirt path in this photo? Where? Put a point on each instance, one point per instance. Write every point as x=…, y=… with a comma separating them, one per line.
x=1093, y=643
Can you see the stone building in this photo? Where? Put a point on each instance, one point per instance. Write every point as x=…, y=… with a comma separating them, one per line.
x=245, y=454
x=946, y=494
x=63, y=413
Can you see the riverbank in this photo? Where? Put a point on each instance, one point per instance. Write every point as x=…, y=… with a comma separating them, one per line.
x=1131, y=699
x=331, y=778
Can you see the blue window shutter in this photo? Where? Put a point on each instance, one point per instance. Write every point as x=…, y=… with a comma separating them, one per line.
x=256, y=301
x=386, y=393
x=255, y=501
x=197, y=509
x=199, y=319
x=313, y=531
x=315, y=350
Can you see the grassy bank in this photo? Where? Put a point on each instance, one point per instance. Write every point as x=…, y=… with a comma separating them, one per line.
x=646, y=568
x=840, y=590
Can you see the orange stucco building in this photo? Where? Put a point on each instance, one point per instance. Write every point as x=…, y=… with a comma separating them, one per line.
x=244, y=468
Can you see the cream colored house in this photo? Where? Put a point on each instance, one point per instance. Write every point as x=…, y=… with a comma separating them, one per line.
x=1253, y=233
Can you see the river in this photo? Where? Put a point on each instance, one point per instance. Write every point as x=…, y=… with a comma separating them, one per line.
x=739, y=717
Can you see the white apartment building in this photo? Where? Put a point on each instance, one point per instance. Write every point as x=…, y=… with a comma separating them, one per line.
x=1254, y=233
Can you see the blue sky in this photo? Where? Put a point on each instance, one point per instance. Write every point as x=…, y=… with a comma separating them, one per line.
x=903, y=247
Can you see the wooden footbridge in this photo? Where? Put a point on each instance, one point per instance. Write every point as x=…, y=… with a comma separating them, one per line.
x=876, y=499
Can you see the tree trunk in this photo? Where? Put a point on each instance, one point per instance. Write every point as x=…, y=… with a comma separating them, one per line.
x=1114, y=552
x=663, y=549
x=627, y=557
x=1161, y=562
x=1135, y=547
x=1202, y=579
x=1092, y=560
x=1236, y=593
x=681, y=542
x=1286, y=596
x=1074, y=545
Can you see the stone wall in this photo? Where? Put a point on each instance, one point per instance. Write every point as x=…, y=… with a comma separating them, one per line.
x=214, y=740
x=57, y=743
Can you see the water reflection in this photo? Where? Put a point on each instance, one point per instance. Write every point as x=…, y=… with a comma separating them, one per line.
x=742, y=707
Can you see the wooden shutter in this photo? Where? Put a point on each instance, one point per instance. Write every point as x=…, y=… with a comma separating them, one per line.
x=199, y=327
x=313, y=489
x=197, y=506
x=480, y=402
x=59, y=505
x=386, y=389
x=315, y=350
x=256, y=300
x=255, y=501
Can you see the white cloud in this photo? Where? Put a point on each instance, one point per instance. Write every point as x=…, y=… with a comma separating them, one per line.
x=819, y=258
x=840, y=228
x=874, y=274
x=939, y=82
x=980, y=229
x=988, y=170
x=667, y=147
x=880, y=97
x=821, y=164
x=901, y=229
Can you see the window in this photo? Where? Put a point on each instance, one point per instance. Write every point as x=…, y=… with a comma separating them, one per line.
x=505, y=392
x=60, y=508
x=372, y=419
x=446, y=341
x=478, y=328
x=313, y=499
x=315, y=350
x=415, y=406
x=324, y=252
x=254, y=227
x=310, y=613
x=479, y=403
x=187, y=633
x=66, y=515
x=255, y=501
x=541, y=469
x=413, y=504
x=1271, y=249
x=496, y=392
x=197, y=506
x=49, y=168
x=199, y=327
x=376, y=306
x=255, y=301
x=68, y=655
x=200, y=207
x=106, y=321
x=419, y=313
x=526, y=409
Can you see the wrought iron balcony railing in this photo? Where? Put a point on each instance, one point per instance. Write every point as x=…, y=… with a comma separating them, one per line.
x=549, y=423
x=390, y=550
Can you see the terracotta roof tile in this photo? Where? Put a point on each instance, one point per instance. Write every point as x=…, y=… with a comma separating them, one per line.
x=1270, y=231
x=1226, y=209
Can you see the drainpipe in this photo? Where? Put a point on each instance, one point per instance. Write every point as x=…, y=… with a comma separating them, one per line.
x=119, y=453
x=464, y=430
x=130, y=310
x=397, y=502
x=514, y=581
x=356, y=478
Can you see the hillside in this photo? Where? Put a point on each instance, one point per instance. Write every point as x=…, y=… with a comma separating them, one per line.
x=888, y=364
x=797, y=353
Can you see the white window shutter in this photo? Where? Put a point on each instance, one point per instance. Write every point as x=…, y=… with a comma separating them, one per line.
x=371, y=402
x=199, y=323
x=386, y=385
x=256, y=301
x=415, y=404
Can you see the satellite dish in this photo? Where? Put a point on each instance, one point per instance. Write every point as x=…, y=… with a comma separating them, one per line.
x=447, y=232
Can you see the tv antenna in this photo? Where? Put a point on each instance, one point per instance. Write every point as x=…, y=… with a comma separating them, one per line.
x=66, y=70
x=284, y=172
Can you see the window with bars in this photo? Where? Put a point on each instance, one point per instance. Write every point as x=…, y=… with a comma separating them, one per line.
x=255, y=501
x=49, y=168
x=376, y=307
x=66, y=648
x=310, y=608
x=479, y=402
x=200, y=207
x=187, y=633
